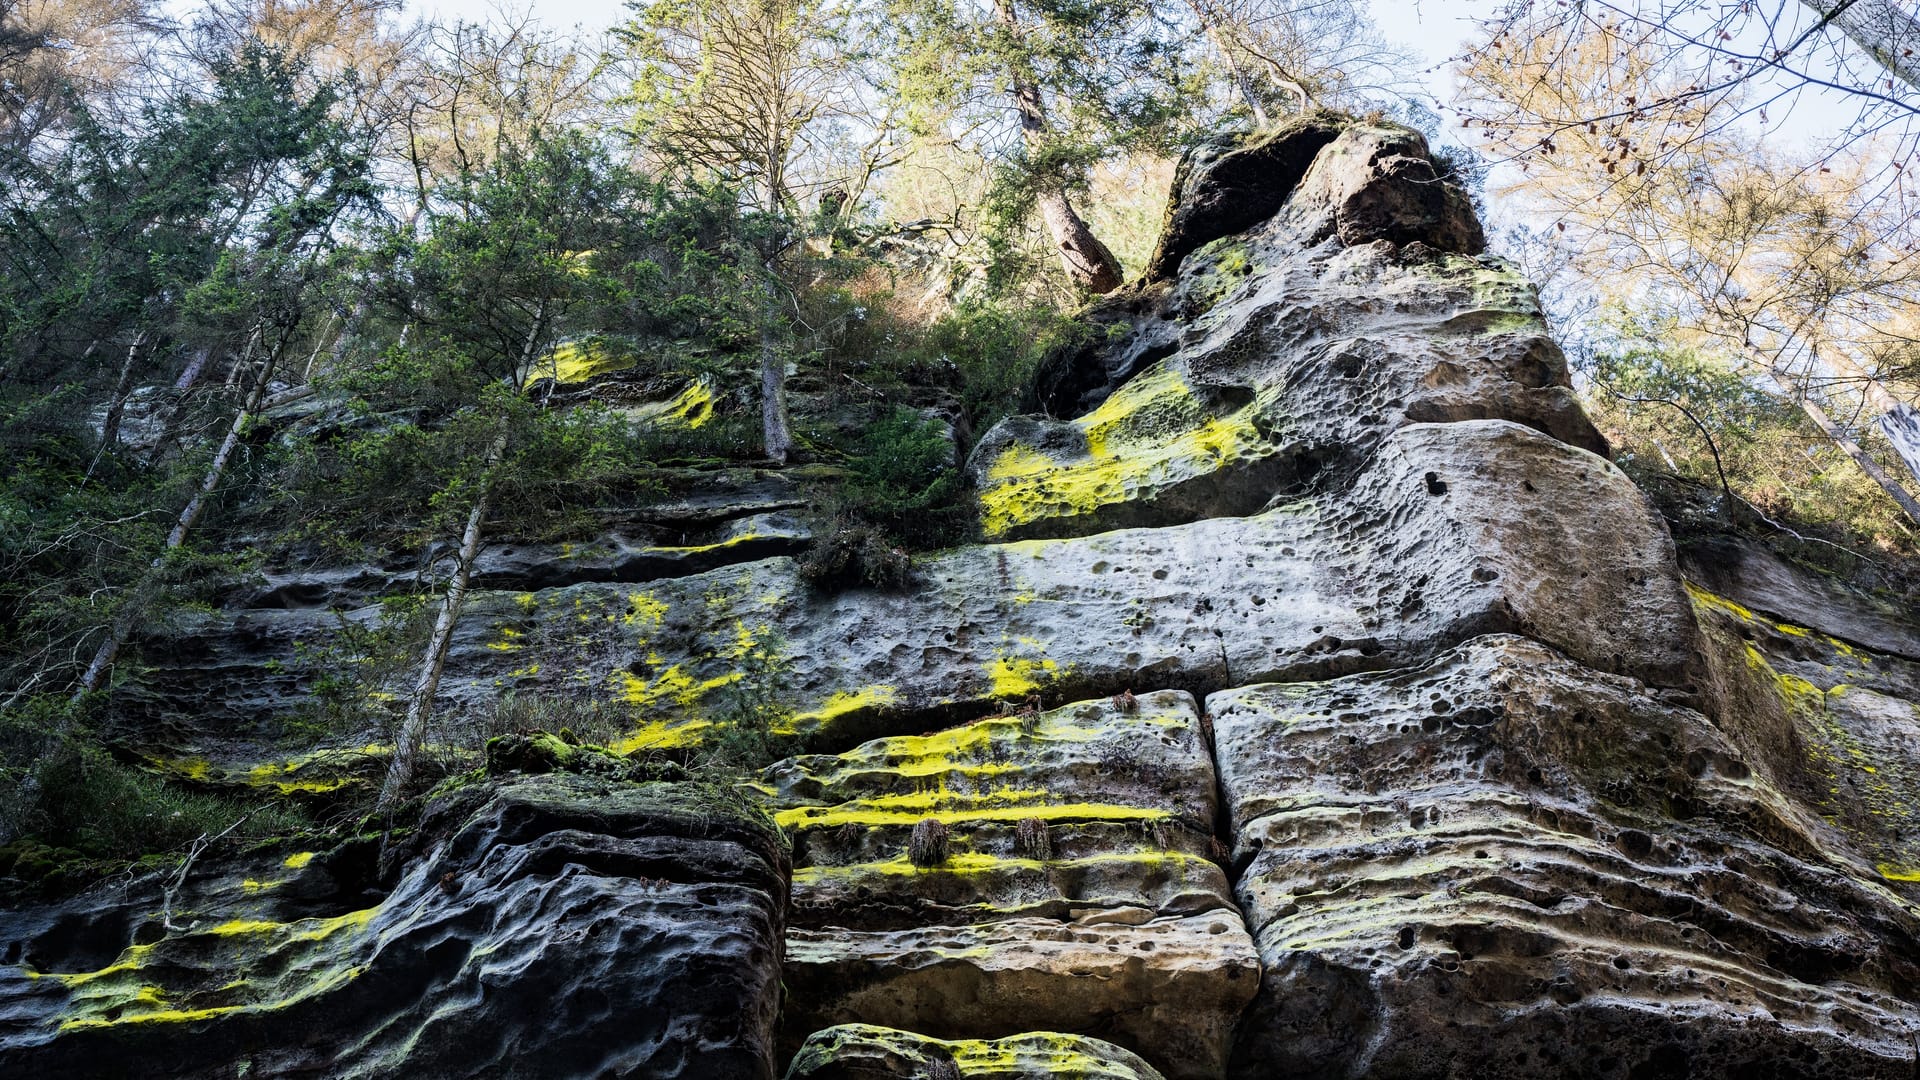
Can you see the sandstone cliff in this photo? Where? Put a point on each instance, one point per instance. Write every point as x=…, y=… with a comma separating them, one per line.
x=1324, y=703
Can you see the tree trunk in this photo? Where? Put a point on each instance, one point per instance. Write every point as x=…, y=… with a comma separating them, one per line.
x=1791, y=387
x=117, y=405
x=776, y=432
x=1886, y=30
x=1899, y=421
x=1240, y=80
x=1867, y=465
x=103, y=658
x=1087, y=261
x=413, y=729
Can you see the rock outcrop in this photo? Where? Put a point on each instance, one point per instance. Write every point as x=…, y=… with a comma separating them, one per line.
x=1324, y=704
x=866, y=1052
x=557, y=927
x=1073, y=845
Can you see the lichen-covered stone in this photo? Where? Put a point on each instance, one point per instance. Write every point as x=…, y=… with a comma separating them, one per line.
x=869, y=1052
x=562, y=927
x=1470, y=515
x=1168, y=988
x=1829, y=721
x=1076, y=890
x=1279, y=360
x=1509, y=860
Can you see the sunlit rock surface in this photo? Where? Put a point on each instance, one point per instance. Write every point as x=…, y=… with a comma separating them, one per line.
x=1508, y=852
x=1323, y=704
x=1074, y=846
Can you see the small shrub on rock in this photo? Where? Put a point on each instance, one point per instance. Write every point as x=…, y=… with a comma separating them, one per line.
x=927, y=847
x=1032, y=839
x=856, y=554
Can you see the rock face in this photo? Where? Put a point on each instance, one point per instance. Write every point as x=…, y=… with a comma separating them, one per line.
x=1073, y=845
x=562, y=928
x=1550, y=866
x=866, y=1052
x=1325, y=705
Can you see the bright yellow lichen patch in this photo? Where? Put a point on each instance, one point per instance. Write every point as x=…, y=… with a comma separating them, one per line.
x=1151, y=431
x=701, y=549
x=906, y=810
x=661, y=735
x=301, y=930
x=975, y=863
x=1011, y=676
x=672, y=686
x=286, y=777
x=186, y=768
x=298, y=860
x=839, y=704
x=691, y=408
x=128, y=990
x=578, y=361
x=644, y=609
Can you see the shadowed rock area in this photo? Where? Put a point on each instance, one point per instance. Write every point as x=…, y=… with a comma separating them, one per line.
x=559, y=927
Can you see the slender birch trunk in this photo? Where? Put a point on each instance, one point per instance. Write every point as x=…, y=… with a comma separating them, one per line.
x=117, y=405
x=413, y=729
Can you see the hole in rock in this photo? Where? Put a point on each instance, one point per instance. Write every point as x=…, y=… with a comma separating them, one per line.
x=1435, y=485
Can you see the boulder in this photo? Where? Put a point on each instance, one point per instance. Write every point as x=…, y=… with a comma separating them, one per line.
x=559, y=927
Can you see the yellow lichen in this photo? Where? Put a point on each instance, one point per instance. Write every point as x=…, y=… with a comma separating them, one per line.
x=1018, y=676
x=839, y=704
x=1150, y=431
x=882, y=812
x=672, y=686
x=578, y=361
x=661, y=735
x=644, y=609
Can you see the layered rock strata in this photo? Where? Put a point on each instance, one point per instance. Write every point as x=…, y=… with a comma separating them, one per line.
x=1509, y=855
x=1491, y=790
x=1070, y=847
x=867, y=1052
x=564, y=927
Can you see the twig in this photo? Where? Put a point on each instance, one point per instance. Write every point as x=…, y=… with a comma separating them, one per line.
x=200, y=844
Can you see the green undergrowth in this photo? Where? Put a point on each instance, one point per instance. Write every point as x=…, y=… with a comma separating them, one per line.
x=97, y=816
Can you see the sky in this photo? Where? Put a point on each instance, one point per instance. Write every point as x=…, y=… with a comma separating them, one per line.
x=1430, y=29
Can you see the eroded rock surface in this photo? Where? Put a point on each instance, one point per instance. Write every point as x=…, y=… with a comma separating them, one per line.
x=1075, y=847
x=867, y=1052
x=1469, y=513
x=1279, y=358
x=1500, y=794
x=1506, y=851
x=564, y=927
